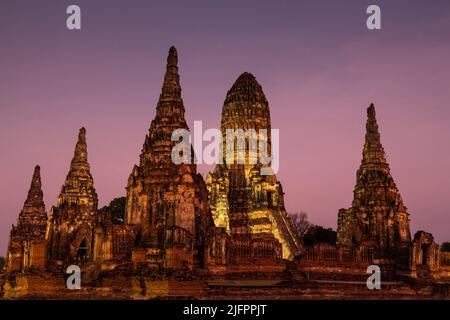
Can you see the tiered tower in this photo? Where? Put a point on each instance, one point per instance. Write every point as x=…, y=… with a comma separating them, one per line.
x=26, y=241
x=166, y=201
x=249, y=205
x=378, y=217
x=72, y=221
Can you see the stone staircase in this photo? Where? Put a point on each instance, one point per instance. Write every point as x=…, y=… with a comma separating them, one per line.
x=294, y=273
x=282, y=226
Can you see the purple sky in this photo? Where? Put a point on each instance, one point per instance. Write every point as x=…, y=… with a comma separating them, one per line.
x=318, y=64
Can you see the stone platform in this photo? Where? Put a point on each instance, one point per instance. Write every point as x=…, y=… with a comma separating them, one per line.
x=117, y=286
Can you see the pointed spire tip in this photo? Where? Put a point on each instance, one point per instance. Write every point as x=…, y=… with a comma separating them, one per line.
x=82, y=135
x=35, y=191
x=371, y=111
x=172, y=58
x=36, y=175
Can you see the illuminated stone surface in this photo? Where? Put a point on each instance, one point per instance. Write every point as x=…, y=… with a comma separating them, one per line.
x=167, y=202
x=228, y=238
x=244, y=202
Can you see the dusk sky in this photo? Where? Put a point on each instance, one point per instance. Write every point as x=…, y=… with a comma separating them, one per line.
x=319, y=66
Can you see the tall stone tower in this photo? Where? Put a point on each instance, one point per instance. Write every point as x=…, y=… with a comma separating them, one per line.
x=70, y=230
x=26, y=241
x=378, y=217
x=167, y=202
x=246, y=203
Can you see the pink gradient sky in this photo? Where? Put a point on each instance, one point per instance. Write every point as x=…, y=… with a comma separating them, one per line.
x=318, y=65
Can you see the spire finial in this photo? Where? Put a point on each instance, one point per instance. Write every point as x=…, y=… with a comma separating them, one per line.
x=79, y=183
x=37, y=174
x=80, y=154
x=371, y=113
x=373, y=150
x=172, y=58
x=35, y=196
x=171, y=89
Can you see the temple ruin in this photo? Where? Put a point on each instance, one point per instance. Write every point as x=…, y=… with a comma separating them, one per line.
x=226, y=237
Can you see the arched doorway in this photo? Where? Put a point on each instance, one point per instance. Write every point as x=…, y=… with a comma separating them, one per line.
x=425, y=250
x=82, y=252
x=269, y=199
